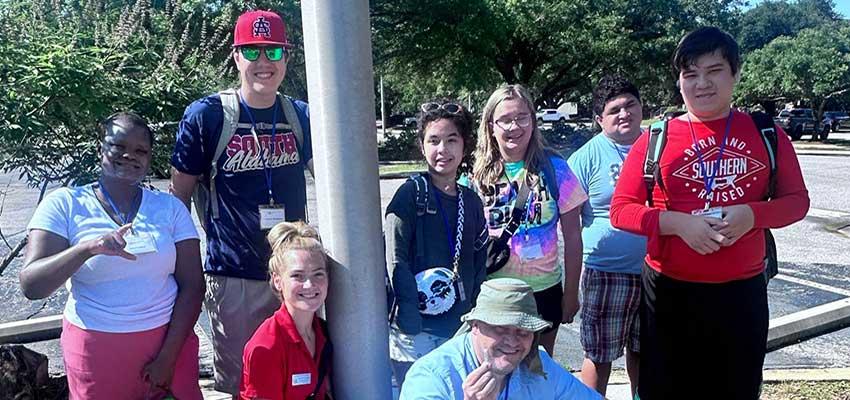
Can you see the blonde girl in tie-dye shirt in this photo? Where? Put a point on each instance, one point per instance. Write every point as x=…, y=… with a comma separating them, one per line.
x=511, y=150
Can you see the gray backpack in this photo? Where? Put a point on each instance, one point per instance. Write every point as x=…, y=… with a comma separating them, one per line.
x=204, y=195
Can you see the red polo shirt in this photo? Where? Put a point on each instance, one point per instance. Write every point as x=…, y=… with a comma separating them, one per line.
x=277, y=364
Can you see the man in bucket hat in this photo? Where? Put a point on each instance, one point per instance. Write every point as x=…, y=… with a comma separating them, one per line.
x=495, y=355
x=242, y=153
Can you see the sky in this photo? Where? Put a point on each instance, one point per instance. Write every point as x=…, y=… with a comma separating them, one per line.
x=843, y=7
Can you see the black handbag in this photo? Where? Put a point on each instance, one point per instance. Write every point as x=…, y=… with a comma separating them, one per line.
x=499, y=248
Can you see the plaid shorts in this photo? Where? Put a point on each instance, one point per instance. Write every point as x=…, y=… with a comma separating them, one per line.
x=609, y=314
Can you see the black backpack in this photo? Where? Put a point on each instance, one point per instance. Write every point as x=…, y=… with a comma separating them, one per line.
x=652, y=174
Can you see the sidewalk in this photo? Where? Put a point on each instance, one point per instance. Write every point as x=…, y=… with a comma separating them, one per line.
x=619, y=389
x=833, y=147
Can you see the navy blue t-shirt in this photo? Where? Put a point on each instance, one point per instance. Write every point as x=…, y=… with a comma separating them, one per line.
x=236, y=246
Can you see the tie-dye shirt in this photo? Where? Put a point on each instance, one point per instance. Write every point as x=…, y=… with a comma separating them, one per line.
x=534, y=247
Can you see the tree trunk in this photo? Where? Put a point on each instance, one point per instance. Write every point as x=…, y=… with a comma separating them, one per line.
x=821, y=103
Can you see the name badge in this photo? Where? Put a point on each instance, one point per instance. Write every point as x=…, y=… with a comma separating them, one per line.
x=713, y=212
x=531, y=251
x=271, y=215
x=140, y=243
x=301, y=379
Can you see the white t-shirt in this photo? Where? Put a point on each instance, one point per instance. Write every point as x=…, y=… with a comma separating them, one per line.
x=111, y=293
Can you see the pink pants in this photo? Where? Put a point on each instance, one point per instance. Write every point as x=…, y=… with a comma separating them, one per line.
x=102, y=365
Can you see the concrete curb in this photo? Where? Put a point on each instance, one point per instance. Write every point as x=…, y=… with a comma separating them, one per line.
x=400, y=175
x=619, y=377
x=834, y=153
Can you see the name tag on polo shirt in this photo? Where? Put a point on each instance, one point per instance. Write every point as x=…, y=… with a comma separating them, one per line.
x=140, y=243
x=301, y=379
x=271, y=215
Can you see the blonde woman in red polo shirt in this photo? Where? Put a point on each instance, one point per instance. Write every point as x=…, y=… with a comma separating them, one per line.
x=288, y=357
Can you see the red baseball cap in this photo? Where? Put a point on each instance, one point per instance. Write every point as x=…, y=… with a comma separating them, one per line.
x=260, y=27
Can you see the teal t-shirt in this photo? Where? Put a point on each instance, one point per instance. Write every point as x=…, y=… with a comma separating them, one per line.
x=597, y=166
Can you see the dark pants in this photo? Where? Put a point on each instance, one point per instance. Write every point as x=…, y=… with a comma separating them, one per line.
x=702, y=340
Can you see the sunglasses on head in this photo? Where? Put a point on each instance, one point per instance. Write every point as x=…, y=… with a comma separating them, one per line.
x=252, y=53
x=451, y=108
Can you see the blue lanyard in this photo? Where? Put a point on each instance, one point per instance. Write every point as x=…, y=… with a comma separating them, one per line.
x=445, y=222
x=115, y=209
x=267, y=172
x=707, y=180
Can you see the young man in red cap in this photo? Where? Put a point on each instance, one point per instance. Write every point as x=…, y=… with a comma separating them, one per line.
x=243, y=153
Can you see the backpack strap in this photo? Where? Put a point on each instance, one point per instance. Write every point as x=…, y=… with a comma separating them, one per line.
x=292, y=119
x=229, y=124
x=651, y=167
x=423, y=206
x=324, y=360
x=294, y=122
x=422, y=194
x=767, y=129
x=549, y=175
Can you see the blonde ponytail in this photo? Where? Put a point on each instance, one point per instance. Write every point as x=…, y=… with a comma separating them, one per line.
x=287, y=236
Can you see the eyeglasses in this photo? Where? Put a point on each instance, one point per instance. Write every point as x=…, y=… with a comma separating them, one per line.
x=252, y=53
x=522, y=121
x=451, y=108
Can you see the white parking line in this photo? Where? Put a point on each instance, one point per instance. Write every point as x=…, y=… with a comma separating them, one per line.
x=821, y=213
x=816, y=285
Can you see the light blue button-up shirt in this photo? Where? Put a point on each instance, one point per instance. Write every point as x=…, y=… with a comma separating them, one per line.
x=440, y=375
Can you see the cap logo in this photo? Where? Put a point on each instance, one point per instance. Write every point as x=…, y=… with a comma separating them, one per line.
x=262, y=28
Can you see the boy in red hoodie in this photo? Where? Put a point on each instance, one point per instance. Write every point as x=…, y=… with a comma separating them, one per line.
x=704, y=313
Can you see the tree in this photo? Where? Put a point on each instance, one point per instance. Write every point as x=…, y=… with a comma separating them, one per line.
x=64, y=66
x=772, y=19
x=813, y=66
x=557, y=47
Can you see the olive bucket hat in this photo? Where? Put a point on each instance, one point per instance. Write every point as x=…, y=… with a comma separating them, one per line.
x=508, y=302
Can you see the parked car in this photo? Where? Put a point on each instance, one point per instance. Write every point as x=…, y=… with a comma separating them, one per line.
x=836, y=119
x=797, y=122
x=550, y=115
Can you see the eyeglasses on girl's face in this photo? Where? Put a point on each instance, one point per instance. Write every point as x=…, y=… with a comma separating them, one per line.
x=506, y=123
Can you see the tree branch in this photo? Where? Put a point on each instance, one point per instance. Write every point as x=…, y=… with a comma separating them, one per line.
x=43, y=104
x=11, y=256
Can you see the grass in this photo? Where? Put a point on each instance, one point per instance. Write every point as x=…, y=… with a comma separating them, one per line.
x=648, y=122
x=404, y=167
x=808, y=390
